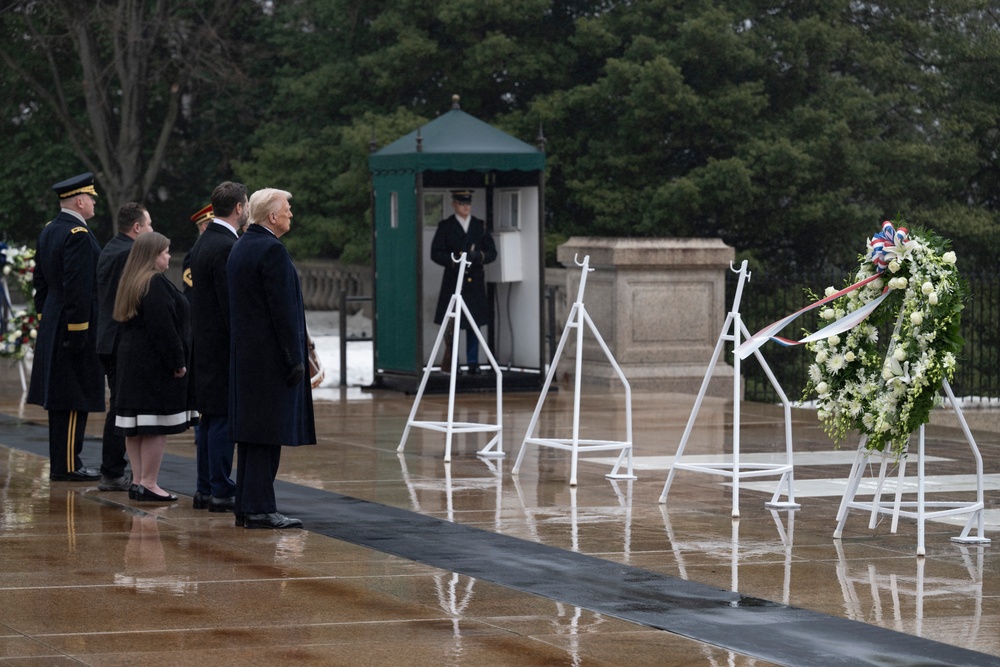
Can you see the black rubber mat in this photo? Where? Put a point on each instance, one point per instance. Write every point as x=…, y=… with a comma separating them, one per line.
x=760, y=628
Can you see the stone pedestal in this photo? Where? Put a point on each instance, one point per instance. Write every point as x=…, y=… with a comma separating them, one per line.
x=659, y=305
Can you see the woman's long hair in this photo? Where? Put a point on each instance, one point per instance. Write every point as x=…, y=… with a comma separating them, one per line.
x=139, y=270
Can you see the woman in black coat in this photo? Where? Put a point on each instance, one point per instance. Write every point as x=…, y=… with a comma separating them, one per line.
x=153, y=352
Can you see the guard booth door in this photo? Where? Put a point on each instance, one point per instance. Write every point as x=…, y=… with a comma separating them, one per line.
x=396, y=299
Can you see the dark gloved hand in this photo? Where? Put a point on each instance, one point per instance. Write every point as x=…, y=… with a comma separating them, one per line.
x=295, y=375
x=75, y=341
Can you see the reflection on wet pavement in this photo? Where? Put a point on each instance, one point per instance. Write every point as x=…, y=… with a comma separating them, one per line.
x=95, y=577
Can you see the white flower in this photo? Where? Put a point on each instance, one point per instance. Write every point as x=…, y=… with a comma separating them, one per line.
x=6, y=269
x=835, y=363
x=894, y=265
x=886, y=373
x=878, y=283
x=916, y=318
x=932, y=298
x=821, y=356
x=822, y=388
x=927, y=287
x=33, y=334
x=899, y=354
x=827, y=314
x=834, y=340
x=949, y=257
x=849, y=357
x=830, y=290
x=815, y=374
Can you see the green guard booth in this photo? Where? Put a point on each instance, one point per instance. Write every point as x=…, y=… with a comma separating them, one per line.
x=411, y=180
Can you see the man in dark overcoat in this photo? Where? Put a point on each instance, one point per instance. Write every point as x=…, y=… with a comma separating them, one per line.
x=66, y=376
x=133, y=219
x=270, y=397
x=458, y=233
x=209, y=296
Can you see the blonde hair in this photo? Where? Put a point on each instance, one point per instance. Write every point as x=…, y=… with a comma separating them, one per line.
x=139, y=270
x=265, y=202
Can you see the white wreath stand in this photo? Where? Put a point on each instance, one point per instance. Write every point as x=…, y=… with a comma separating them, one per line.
x=735, y=470
x=577, y=317
x=919, y=512
x=457, y=308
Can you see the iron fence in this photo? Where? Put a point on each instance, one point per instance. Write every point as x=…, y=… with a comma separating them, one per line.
x=768, y=298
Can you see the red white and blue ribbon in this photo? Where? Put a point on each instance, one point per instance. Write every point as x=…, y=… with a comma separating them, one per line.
x=886, y=246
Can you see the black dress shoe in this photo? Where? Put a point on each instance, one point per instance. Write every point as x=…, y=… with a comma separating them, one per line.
x=221, y=504
x=201, y=500
x=81, y=475
x=132, y=490
x=142, y=493
x=473, y=369
x=240, y=519
x=274, y=520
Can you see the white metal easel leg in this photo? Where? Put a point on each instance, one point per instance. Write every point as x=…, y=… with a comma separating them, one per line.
x=737, y=470
x=456, y=309
x=921, y=509
x=577, y=318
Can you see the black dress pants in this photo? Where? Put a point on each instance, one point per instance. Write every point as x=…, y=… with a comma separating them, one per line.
x=256, y=469
x=113, y=445
x=66, y=430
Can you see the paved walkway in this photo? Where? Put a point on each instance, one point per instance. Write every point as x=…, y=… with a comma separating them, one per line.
x=407, y=560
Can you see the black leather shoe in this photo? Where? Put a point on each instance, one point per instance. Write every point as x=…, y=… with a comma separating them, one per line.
x=81, y=475
x=221, y=504
x=122, y=483
x=201, y=500
x=240, y=519
x=142, y=493
x=132, y=490
x=473, y=369
x=274, y=520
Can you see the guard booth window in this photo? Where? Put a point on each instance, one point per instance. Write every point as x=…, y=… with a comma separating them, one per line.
x=433, y=208
x=394, y=210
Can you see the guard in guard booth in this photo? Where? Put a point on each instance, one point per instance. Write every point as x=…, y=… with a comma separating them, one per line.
x=456, y=234
x=67, y=378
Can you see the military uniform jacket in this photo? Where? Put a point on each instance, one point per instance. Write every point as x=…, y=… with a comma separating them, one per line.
x=109, y=272
x=209, y=297
x=65, y=282
x=269, y=338
x=450, y=239
x=151, y=346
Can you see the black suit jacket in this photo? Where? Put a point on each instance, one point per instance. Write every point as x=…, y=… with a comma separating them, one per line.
x=209, y=296
x=109, y=273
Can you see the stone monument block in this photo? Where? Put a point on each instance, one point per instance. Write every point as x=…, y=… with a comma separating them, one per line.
x=659, y=304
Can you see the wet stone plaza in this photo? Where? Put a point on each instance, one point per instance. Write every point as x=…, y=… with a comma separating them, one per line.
x=408, y=560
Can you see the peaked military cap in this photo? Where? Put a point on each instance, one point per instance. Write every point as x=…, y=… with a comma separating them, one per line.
x=204, y=215
x=462, y=196
x=78, y=185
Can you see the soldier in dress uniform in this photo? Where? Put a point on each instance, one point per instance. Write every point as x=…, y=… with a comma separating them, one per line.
x=456, y=234
x=67, y=378
x=201, y=219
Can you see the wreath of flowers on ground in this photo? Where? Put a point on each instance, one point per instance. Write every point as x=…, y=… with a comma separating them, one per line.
x=21, y=328
x=887, y=392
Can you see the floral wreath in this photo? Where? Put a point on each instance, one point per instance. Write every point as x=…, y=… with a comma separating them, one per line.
x=20, y=326
x=887, y=394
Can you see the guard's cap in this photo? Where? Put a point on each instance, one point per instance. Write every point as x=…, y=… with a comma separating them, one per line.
x=462, y=196
x=78, y=185
x=204, y=215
